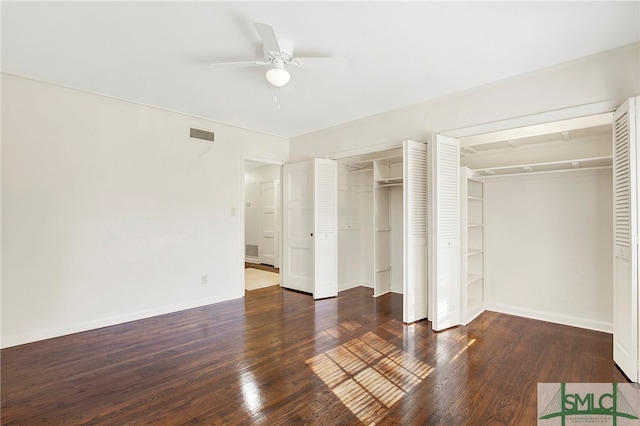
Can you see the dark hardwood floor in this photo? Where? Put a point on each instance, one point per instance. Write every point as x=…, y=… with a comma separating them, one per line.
x=261, y=266
x=278, y=357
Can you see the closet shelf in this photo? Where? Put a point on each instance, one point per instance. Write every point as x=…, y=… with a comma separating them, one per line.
x=472, y=278
x=388, y=268
x=383, y=229
x=389, y=181
x=552, y=166
x=367, y=165
x=472, y=267
x=360, y=166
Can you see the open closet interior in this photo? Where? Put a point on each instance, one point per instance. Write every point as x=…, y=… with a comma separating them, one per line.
x=537, y=222
x=518, y=221
x=394, y=227
x=380, y=176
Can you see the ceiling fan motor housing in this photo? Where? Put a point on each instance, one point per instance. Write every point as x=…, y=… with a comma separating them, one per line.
x=286, y=51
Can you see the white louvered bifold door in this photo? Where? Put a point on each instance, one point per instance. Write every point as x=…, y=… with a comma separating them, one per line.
x=297, y=227
x=625, y=214
x=325, y=234
x=443, y=170
x=414, y=197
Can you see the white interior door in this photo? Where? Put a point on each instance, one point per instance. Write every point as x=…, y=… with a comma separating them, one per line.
x=443, y=174
x=310, y=227
x=268, y=223
x=297, y=227
x=325, y=228
x=625, y=268
x=415, y=231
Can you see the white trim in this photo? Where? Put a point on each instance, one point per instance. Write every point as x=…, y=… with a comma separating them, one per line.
x=604, y=119
x=350, y=285
x=240, y=209
x=89, y=92
x=267, y=161
x=354, y=284
x=606, y=327
x=20, y=339
x=364, y=150
x=535, y=119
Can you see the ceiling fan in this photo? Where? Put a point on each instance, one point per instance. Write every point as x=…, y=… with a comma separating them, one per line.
x=278, y=54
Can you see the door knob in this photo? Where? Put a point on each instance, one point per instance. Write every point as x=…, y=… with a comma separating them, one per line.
x=311, y=234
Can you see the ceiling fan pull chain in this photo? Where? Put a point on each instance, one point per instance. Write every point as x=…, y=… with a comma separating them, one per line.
x=275, y=97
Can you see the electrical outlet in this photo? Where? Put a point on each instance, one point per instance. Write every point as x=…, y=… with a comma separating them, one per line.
x=204, y=279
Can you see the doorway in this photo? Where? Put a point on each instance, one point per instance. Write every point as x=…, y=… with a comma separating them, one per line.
x=262, y=222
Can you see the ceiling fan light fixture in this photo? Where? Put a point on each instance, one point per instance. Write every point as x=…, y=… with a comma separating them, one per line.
x=278, y=76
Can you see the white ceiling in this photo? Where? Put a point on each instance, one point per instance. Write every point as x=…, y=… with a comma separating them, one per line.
x=399, y=53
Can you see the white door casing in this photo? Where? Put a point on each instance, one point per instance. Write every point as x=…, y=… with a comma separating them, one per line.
x=415, y=306
x=443, y=174
x=278, y=215
x=626, y=351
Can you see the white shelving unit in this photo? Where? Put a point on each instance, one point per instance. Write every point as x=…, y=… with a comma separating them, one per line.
x=386, y=173
x=473, y=292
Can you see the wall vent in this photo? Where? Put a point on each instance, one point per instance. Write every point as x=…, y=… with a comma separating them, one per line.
x=251, y=250
x=201, y=134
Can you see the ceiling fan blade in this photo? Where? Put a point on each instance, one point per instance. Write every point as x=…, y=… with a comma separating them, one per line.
x=324, y=63
x=268, y=36
x=254, y=63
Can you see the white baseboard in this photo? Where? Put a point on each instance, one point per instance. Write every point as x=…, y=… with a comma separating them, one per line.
x=368, y=284
x=348, y=286
x=354, y=284
x=21, y=339
x=589, y=324
x=251, y=259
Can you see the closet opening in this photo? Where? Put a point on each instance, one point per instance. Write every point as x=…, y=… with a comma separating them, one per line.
x=537, y=222
x=370, y=198
x=382, y=202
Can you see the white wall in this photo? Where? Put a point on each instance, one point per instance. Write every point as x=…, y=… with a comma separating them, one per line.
x=252, y=195
x=548, y=247
x=111, y=213
x=606, y=76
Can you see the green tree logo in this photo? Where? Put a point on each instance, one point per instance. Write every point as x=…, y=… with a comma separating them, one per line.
x=564, y=405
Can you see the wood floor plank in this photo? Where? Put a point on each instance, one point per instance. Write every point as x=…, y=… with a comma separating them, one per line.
x=279, y=357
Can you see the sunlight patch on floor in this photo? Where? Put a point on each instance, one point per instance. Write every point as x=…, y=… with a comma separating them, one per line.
x=343, y=328
x=464, y=348
x=369, y=374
